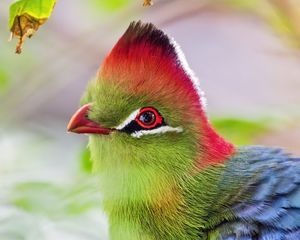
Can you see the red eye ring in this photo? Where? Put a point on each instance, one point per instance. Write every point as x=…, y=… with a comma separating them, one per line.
x=158, y=118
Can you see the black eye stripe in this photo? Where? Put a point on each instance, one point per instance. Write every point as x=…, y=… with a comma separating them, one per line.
x=133, y=126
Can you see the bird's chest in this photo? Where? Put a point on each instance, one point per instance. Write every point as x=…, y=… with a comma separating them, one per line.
x=137, y=221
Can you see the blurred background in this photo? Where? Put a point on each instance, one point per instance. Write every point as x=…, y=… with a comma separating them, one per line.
x=245, y=52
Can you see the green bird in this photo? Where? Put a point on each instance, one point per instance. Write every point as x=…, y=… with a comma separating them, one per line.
x=165, y=173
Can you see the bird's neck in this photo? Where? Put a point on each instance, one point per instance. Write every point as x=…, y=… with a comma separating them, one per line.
x=180, y=212
x=214, y=149
x=140, y=220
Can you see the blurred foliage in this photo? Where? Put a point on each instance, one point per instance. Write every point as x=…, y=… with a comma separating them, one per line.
x=112, y=5
x=285, y=18
x=282, y=15
x=86, y=164
x=240, y=131
x=52, y=200
x=3, y=80
x=36, y=197
x=42, y=193
x=244, y=4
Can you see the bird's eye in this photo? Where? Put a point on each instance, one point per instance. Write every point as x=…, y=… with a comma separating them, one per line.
x=149, y=118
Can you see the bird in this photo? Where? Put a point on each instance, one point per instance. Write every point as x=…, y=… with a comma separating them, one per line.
x=164, y=171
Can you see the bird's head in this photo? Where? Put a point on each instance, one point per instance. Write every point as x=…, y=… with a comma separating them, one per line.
x=145, y=111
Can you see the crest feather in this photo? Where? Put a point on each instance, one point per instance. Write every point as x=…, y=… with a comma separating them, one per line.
x=140, y=35
x=146, y=33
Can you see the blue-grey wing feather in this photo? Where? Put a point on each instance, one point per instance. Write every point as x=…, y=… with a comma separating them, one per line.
x=272, y=212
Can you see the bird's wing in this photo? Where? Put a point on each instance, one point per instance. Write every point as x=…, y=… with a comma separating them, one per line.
x=272, y=212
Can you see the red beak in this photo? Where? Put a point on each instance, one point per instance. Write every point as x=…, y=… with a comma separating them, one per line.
x=80, y=123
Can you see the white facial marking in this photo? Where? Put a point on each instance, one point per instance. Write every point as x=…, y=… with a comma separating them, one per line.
x=189, y=72
x=162, y=129
x=130, y=118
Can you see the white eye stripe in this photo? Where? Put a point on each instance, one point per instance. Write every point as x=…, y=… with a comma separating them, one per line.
x=162, y=129
x=130, y=118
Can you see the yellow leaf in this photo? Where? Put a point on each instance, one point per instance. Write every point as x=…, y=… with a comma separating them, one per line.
x=26, y=16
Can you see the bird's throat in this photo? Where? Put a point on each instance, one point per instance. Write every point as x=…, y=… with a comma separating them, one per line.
x=144, y=201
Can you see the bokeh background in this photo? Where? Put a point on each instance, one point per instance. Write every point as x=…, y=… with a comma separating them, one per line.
x=245, y=52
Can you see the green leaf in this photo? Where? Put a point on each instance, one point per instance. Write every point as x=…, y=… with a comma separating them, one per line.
x=26, y=16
